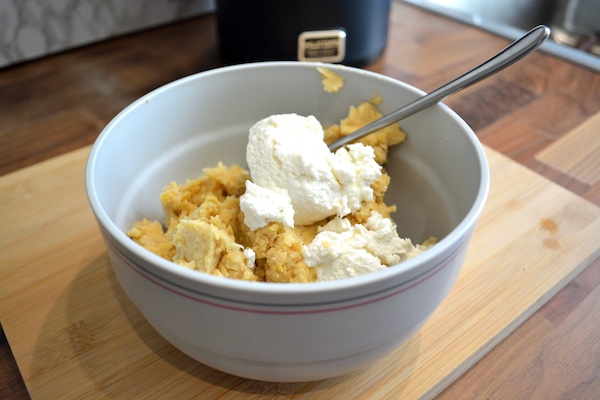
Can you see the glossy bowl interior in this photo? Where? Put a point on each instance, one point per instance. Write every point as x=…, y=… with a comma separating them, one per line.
x=283, y=332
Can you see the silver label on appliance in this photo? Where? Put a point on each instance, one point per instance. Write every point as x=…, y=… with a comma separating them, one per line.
x=326, y=46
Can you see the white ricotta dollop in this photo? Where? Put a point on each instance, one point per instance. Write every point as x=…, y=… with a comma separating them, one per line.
x=261, y=206
x=287, y=155
x=250, y=257
x=342, y=250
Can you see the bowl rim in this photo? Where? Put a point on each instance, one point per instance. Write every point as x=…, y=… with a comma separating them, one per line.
x=273, y=288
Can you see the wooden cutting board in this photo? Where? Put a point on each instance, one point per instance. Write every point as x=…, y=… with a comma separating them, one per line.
x=75, y=334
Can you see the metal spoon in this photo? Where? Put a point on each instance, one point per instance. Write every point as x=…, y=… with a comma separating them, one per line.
x=513, y=53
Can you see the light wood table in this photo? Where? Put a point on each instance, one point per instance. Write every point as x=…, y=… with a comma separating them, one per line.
x=542, y=113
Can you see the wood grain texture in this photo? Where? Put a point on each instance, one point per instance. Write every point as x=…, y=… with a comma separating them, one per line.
x=75, y=334
x=11, y=381
x=60, y=103
x=577, y=154
x=549, y=356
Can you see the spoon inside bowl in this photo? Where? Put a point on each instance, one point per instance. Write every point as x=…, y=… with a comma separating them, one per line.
x=511, y=54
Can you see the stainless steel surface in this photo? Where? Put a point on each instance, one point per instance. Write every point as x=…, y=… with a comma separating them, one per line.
x=513, y=53
x=575, y=24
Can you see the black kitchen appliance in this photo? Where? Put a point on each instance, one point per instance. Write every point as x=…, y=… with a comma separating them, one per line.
x=352, y=32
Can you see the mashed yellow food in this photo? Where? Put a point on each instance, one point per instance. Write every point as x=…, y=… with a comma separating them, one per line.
x=332, y=82
x=204, y=227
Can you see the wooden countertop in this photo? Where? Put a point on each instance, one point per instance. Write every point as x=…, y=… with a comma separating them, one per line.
x=542, y=112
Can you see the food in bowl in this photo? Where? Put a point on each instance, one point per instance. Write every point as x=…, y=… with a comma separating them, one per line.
x=283, y=332
x=332, y=82
x=302, y=214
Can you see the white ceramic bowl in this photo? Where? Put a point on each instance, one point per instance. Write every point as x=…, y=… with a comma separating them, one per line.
x=283, y=332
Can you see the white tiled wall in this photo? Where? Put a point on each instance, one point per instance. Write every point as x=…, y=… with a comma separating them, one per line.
x=34, y=28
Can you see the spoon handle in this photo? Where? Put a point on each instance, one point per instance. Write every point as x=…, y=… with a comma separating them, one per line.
x=511, y=54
